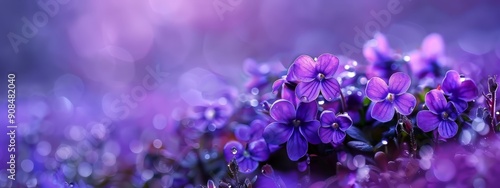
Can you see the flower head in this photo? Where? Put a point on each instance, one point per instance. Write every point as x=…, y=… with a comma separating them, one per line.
x=213, y=116
x=296, y=127
x=441, y=115
x=315, y=77
x=459, y=90
x=333, y=127
x=426, y=61
x=250, y=133
x=390, y=98
x=247, y=158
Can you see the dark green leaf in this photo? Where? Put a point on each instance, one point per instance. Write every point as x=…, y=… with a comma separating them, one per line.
x=361, y=146
x=466, y=118
x=357, y=134
x=366, y=101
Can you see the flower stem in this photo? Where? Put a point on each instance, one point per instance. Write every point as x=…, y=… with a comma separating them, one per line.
x=343, y=106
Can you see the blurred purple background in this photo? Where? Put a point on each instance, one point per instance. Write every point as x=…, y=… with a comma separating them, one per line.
x=77, y=62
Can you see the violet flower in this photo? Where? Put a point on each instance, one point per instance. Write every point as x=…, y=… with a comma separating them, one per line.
x=287, y=87
x=460, y=91
x=247, y=158
x=390, y=98
x=296, y=127
x=333, y=127
x=427, y=60
x=213, y=116
x=379, y=55
x=250, y=133
x=441, y=115
x=316, y=77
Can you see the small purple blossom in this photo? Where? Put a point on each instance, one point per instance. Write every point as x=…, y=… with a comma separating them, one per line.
x=441, y=115
x=333, y=127
x=426, y=61
x=211, y=116
x=390, y=98
x=460, y=91
x=250, y=133
x=315, y=77
x=296, y=127
x=247, y=158
x=287, y=89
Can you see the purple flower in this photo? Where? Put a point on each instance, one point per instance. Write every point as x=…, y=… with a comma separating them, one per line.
x=388, y=98
x=247, y=158
x=287, y=89
x=460, y=92
x=441, y=115
x=333, y=127
x=379, y=55
x=213, y=116
x=315, y=77
x=250, y=133
x=297, y=127
x=427, y=60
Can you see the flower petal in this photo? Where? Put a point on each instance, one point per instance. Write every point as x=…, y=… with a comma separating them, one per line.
x=435, y=101
x=247, y=165
x=304, y=68
x=307, y=111
x=327, y=64
x=451, y=82
x=278, y=84
x=258, y=150
x=405, y=103
x=327, y=118
x=233, y=149
x=330, y=89
x=344, y=122
x=427, y=121
x=277, y=133
x=447, y=129
x=296, y=146
x=460, y=105
x=308, y=91
x=432, y=46
x=338, y=136
x=325, y=134
x=288, y=94
x=383, y=111
x=242, y=132
x=256, y=129
x=399, y=83
x=468, y=90
x=310, y=131
x=376, y=89
x=282, y=111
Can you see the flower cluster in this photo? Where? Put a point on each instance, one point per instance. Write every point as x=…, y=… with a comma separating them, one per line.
x=325, y=121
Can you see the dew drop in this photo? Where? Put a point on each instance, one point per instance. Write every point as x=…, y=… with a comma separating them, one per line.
x=400, y=121
x=411, y=108
x=303, y=99
x=234, y=151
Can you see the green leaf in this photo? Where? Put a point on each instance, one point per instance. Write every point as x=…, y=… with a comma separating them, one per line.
x=366, y=101
x=466, y=118
x=361, y=146
x=357, y=134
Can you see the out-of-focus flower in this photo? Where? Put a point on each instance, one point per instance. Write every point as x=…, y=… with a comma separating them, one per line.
x=333, y=127
x=387, y=98
x=441, y=115
x=260, y=73
x=250, y=133
x=247, y=158
x=379, y=55
x=459, y=90
x=316, y=77
x=297, y=127
x=427, y=60
x=213, y=116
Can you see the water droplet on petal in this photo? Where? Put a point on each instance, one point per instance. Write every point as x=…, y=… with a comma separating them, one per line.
x=234, y=151
x=303, y=99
